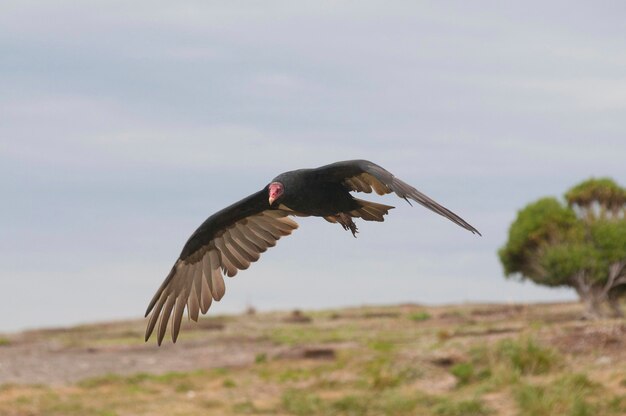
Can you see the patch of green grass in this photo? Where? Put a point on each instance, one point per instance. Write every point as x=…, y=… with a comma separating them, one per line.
x=8, y=386
x=22, y=399
x=464, y=372
x=568, y=395
x=219, y=371
x=392, y=402
x=382, y=372
x=184, y=387
x=170, y=378
x=473, y=407
x=526, y=356
x=382, y=346
x=302, y=403
x=316, y=373
x=67, y=408
x=505, y=362
x=4, y=341
x=420, y=316
x=245, y=407
x=105, y=380
x=377, y=404
x=260, y=358
x=50, y=403
x=350, y=405
x=296, y=335
x=229, y=383
x=106, y=412
x=295, y=374
x=617, y=405
x=467, y=373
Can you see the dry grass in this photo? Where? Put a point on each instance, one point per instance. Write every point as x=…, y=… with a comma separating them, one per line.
x=401, y=360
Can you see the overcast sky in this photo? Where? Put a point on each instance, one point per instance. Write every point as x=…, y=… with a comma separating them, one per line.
x=123, y=125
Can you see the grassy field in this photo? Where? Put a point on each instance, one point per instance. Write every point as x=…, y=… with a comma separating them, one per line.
x=397, y=360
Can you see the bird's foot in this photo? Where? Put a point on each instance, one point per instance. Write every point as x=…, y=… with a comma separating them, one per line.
x=346, y=222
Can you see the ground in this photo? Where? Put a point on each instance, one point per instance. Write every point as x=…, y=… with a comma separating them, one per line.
x=539, y=359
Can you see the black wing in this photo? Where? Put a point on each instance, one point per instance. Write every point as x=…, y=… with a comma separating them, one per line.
x=363, y=176
x=226, y=242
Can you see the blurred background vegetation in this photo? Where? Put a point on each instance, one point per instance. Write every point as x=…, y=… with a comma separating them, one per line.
x=580, y=244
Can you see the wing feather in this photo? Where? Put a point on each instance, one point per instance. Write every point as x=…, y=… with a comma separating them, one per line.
x=165, y=317
x=225, y=243
x=206, y=270
x=216, y=276
x=236, y=252
x=179, y=309
x=262, y=233
x=274, y=232
x=361, y=175
x=205, y=295
x=243, y=247
x=250, y=236
x=361, y=184
x=252, y=251
x=193, y=305
x=226, y=260
x=279, y=227
x=154, y=318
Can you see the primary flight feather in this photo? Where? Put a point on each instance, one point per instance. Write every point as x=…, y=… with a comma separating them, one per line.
x=234, y=237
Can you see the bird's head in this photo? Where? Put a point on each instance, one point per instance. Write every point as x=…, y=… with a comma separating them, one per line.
x=275, y=190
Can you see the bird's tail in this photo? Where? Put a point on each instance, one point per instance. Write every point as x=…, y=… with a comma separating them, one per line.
x=370, y=211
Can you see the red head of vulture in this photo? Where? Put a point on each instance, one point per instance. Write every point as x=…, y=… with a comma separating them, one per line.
x=234, y=237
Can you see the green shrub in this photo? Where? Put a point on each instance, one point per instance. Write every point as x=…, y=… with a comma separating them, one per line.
x=526, y=356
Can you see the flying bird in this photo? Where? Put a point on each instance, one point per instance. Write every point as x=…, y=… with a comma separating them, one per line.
x=231, y=239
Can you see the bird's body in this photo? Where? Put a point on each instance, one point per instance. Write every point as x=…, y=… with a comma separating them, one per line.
x=234, y=237
x=310, y=193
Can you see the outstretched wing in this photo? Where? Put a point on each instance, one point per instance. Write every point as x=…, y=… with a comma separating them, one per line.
x=226, y=242
x=365, y=176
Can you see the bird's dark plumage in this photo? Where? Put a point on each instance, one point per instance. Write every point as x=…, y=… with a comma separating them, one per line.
x=234, y=237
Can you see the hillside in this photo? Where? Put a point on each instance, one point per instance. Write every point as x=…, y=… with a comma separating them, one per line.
x=398, y=360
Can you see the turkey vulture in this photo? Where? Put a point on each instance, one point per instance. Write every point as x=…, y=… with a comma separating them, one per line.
x=234, y=237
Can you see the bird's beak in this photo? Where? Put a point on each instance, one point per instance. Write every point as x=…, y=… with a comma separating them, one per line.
x=271, y=200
